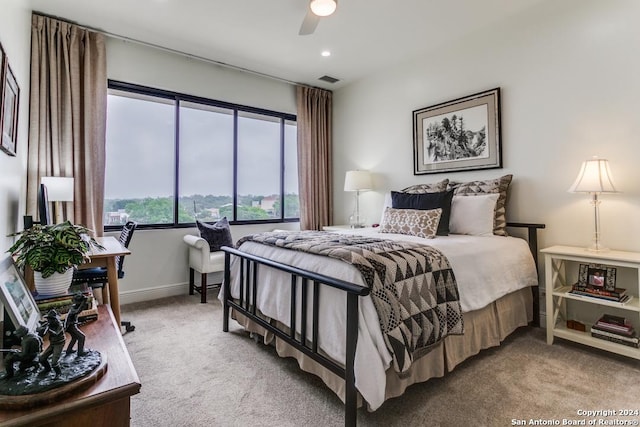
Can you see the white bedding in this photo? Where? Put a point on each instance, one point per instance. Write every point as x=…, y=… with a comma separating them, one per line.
x=486, y=268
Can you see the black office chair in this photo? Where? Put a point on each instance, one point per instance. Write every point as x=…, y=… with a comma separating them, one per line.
x=97, y=277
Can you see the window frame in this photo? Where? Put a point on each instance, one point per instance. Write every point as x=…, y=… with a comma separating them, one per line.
x=178, y=98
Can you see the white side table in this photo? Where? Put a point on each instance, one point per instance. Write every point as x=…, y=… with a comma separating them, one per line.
x=343, y=228
x=561, y=271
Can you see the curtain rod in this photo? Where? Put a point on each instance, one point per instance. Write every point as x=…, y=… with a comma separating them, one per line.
x=170, y=50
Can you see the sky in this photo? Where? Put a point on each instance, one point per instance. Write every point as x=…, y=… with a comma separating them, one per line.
x=140, y=140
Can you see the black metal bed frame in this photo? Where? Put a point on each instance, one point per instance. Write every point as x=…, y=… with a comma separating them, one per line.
x=302, y=341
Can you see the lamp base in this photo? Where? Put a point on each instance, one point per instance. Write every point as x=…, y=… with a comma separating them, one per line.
x=597, y=247
x=592, y=249
x=357, y=221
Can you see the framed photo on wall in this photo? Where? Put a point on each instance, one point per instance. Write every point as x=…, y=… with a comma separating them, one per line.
x=9, y=114
x=458, y=135
x=16, y=297
x=3, y=60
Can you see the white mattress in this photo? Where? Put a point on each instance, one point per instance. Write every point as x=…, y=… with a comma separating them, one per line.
x=486, y=268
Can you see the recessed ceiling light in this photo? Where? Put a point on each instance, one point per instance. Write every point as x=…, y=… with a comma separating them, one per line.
x=326, y=53
x=323, y=7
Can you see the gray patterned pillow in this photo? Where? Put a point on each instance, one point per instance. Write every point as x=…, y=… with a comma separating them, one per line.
x=217, y=234
x=420, y=223
x=489, y=186
x=436, y=187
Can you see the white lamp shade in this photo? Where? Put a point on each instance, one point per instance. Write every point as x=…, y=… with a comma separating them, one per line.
x=594, y=177
x=323, y=7
x=59, y=189
x=357, y=181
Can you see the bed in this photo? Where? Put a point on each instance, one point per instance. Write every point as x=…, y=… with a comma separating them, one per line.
x=322, y=311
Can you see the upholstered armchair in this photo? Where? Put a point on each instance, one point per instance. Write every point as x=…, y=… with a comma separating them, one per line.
x=202, y=260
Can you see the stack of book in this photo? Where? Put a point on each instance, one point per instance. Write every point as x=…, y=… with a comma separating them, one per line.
x=616, y=295
x=62, y=303
x=615, y=329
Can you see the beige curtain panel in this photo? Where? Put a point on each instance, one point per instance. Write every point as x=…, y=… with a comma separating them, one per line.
x=68, y=116
x=314, y=121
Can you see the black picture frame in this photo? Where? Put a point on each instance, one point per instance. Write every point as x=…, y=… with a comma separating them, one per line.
x=597, y=276
x=3, y=61
x=459, y=135
x=10, y=102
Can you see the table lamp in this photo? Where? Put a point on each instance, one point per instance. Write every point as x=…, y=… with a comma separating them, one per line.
x=59, y=189
x=594, y=178
x=357, y=181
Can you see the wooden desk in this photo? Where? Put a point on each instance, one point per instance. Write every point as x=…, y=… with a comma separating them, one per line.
x=105, y=403
x=107, y=258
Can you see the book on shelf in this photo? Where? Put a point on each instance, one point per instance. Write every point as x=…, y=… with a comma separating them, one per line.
x=73, y=289
x=61, y=306
x=622, y=300
x=615, y=324
x=87, y=315
x=615, y=339
x=593, y=290
x=632, y=338
x=625, y=332
x=63, y=303
x=615, y=320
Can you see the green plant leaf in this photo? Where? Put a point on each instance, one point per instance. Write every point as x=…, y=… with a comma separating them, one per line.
x=53, y=248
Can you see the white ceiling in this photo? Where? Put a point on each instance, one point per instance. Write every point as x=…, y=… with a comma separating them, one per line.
x=262, y=35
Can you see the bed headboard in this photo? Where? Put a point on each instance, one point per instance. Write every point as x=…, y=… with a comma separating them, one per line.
x=532, y=238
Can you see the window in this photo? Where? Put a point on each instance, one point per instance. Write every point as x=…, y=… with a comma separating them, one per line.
x=258, y=166
x=173, y=158
x=206, y=162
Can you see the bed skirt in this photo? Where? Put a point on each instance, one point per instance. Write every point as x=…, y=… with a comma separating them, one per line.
x=484, y=328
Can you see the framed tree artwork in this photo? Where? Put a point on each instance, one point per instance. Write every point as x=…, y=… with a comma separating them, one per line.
x=458, y=135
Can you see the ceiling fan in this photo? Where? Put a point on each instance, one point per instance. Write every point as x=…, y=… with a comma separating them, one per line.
x=316, y=10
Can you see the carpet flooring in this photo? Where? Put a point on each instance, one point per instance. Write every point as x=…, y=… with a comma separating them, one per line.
x=193, y=374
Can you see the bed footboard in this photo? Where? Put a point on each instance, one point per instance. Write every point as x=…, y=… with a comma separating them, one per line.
x=306, y=341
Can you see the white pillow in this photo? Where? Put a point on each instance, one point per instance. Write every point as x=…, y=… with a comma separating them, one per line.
x=473, y=214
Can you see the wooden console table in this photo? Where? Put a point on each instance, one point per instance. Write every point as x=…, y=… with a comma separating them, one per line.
x=105, y=403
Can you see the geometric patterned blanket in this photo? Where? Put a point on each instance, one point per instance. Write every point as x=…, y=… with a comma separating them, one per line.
x=412, y=286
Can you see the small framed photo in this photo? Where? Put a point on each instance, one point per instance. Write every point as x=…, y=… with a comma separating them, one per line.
x=16, y=297
x=597, y=276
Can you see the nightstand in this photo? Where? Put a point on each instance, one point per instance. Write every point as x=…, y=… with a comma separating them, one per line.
x=337, y=228
x=562, y=266
x=343, y=228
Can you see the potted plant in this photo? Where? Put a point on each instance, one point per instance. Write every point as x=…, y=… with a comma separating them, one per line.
x=52, y=252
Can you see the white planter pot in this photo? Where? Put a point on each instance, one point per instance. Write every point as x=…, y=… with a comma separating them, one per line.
x=56, y=284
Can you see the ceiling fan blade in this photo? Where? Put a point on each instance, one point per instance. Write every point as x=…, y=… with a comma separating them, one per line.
x=309, y=23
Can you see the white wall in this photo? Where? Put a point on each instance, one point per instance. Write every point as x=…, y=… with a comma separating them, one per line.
x=158, y=264
x=135, y=63
x=568, y=74
x=15, y=36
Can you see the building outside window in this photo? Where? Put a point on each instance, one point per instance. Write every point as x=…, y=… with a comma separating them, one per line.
x=173, y=158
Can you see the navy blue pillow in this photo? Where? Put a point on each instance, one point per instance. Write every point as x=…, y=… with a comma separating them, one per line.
x=217, y=234
x=426, y=201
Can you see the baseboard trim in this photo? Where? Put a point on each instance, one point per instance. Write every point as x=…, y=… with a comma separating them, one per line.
x=148, y=294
